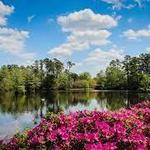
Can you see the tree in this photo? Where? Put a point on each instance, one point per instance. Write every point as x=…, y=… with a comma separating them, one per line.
x=145, y=63
x=70, y=65
x=85, y=76
x=115, y=76
x=63, y=81
x=101, y=80
x=74, y=76
x=133, y=73
x=145, y=82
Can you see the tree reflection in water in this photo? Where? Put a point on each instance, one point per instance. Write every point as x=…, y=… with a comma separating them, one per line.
x=31, y=108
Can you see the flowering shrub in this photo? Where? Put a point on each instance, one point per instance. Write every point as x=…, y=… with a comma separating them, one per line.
x=122, y=129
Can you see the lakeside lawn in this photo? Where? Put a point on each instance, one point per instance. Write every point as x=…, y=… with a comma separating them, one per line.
x=122, y=129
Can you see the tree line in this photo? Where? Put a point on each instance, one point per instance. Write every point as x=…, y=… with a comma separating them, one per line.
x=133, y=73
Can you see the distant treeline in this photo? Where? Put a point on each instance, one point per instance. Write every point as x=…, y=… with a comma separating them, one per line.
x=133, y=73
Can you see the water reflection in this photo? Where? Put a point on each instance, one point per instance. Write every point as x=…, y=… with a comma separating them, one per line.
x=18, y=112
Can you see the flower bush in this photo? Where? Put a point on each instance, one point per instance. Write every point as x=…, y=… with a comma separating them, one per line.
x=122, y=129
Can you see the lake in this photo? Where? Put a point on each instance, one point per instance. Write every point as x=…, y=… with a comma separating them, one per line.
x=20, y=112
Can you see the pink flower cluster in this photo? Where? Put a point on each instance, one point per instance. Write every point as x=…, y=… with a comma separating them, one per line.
x=122, y=129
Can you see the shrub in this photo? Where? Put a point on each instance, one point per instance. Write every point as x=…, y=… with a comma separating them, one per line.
x=122, y=129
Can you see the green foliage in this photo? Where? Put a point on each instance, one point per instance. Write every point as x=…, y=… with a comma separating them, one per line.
x=145, y=82
x=81, y=84
x=115, y=76
x=101, y=80
x=63, y=81
x=133, y=73
x=85, y=76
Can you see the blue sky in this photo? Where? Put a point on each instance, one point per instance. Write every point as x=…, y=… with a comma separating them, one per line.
x=88, y=32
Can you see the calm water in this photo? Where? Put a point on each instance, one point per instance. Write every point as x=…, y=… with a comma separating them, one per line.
x=20, y=112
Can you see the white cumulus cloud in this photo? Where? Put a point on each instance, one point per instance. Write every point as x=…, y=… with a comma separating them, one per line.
x=102, y=57
x=5, y=11
x=85, y=29
x=99, y=59
x=137, y=34
x=85, y=20
x=90, y=37
x=13, y=41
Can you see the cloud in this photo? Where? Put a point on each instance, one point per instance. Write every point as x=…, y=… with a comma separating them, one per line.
x=13, y=41
x=119, y=4
x=101, y=57
x=148, y=50
x=116, y=4
x=98, y=37
x=85, y=20
x=85, y=29
x=139, y=2
x=5, y=11
x=27, y=57
x=136, y=34
x=67, y=49
x=30, y=18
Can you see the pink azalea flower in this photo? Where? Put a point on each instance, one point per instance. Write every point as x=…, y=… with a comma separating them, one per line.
x=65, y=136
x=80, y=136
x=35, y=140
x=52, y=136
x=91, y=137
x=109, y=146
x=137, y=138
x=93, y=130
x=140, y=147
x=93, y=146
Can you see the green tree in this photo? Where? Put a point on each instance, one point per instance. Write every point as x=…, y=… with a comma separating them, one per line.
x=101, y=80
x=145, y=82
x=85, y=76
x=115, y=76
